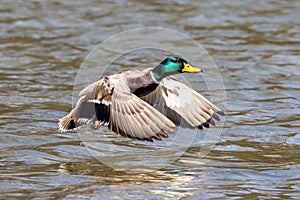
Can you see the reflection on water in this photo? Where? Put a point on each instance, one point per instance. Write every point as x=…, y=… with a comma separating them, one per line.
x=256, y=46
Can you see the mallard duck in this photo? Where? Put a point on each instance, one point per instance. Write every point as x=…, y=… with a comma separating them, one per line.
x=143, y=105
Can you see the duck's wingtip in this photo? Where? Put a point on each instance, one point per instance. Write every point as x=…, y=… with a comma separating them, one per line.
x=221, y=113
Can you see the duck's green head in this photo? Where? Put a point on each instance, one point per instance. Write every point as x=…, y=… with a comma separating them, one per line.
x=173, y=65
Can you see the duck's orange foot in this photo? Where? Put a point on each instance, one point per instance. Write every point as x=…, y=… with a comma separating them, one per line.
x=95, y=126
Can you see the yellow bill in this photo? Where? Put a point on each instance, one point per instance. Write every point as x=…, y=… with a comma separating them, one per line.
x=189, y=68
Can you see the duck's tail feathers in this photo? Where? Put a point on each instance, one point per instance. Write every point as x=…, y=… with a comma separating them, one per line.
x=66, y=123
x=69, y=122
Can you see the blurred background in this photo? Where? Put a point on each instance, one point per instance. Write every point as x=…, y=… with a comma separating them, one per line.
x=255, y=44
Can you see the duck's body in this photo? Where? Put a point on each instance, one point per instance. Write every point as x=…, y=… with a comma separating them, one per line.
x=143, y=104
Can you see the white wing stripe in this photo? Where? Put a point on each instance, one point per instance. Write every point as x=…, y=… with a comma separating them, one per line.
x=100, y=101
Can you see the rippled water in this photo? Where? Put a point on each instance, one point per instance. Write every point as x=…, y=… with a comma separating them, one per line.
x=254, y=43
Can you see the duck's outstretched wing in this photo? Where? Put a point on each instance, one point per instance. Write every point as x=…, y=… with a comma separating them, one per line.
x=183, y=105
x=124, y=112
x=134, y=118
x=93, y=105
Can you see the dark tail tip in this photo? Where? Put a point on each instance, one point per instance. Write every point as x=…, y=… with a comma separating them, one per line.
x=72, y=125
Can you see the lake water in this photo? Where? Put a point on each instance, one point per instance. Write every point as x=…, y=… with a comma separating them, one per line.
x=256, y=46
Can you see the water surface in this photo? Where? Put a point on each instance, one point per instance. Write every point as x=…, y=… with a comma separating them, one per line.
x=256, y=46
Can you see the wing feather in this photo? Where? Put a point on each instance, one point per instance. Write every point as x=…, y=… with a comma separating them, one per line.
x=136, y=118
x=183, y=105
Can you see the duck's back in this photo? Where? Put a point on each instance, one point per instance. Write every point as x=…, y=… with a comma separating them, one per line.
x=140, y=83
